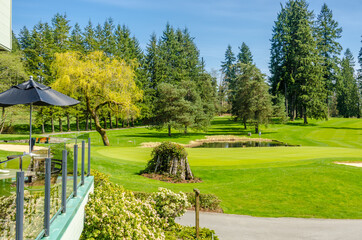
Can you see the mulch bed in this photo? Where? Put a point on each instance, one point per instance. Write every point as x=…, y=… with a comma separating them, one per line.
x=168, y=179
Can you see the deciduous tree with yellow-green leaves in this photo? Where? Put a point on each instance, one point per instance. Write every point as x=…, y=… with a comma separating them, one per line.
x=98, y=80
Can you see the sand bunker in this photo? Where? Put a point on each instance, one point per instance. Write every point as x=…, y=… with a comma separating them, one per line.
x=355, y=164
x=18, y=148
x=216, y=138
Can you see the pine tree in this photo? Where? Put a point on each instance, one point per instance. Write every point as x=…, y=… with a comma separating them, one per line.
x=359, y=79
x=295, y=62
x=173, y=62
x=61, y=30
x=327, y=33
x=90, y=43
x=107, y=40
x=347, y=90
x=245, y=55
x=228, y=71
x=76, y=39
x=252, y=100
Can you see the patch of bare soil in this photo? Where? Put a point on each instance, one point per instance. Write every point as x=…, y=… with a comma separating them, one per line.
x=208, y=139
x=354, y=164
x=169, y=179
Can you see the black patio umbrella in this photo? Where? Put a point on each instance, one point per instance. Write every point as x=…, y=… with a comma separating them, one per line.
x=33, y=93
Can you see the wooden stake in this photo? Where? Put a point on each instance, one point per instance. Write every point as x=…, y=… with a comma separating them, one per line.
x=197, y=210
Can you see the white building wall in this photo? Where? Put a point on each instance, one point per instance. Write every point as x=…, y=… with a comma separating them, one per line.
x=5, y=25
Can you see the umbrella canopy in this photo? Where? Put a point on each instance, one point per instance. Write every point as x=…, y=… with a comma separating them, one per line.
x=33, y=93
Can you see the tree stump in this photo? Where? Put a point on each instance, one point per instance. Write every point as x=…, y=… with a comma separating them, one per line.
x=170, y=159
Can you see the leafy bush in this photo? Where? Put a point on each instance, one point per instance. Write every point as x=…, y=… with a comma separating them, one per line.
x=178, y=231
x=207, y=201
x=168, y=204
x=165, y=152
x=114, y=213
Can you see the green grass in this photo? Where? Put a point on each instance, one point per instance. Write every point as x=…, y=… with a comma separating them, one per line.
x=274, y=182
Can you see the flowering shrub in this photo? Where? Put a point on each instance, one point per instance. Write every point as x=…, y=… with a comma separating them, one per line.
x=168, y=204
x=114, y=213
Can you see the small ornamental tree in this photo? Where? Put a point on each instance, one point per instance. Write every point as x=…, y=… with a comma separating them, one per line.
x=170, y=159
x=99, y=81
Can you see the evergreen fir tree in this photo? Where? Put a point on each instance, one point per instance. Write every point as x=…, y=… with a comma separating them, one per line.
x=245, y=55
x=90, y=43
x=327, y=33
x=347, y=90
x=228, y=71
x=295, y=62
x=61, y=30
x=76, y=39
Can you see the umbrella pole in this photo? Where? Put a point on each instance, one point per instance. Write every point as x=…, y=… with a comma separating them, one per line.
x=31, y=109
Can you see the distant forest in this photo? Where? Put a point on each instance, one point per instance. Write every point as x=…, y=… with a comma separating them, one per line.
x=310, y=77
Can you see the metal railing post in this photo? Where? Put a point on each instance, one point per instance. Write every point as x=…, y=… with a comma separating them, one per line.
x=19, y=205
x=47, y=197
x=75, y=170
x=83, y=156
x=89, y=157
x=21, y=163
x=64, y=181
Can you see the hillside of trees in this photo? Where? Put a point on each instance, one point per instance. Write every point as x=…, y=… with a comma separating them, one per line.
x=311, y=76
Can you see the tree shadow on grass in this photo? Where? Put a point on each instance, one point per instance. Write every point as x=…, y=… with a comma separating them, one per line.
x=301, y=124
x=344, y=128
x=160, y=135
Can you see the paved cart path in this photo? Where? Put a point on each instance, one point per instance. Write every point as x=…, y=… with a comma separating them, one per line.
x=234, y=227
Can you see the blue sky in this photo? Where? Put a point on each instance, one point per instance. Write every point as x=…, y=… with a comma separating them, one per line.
x=213, y=23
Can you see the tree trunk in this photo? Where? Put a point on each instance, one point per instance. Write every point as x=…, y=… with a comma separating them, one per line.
x=128, y=122
x=100, y=130
x=175, y=167
x=185, y=130
x=182, y=170
x=305, y=116
x=60, y=124
x=244, y=124
x=286, y=98
x=105, y=122
x=132, y=121
x=77, y=120
x=2, y=120
x=157, y=164
x=90, y=123
x=110, y=120
x=189, y=174
x=52, y=123
x=68, y=122
x=169, y=130
x=256, y=127
x=117, y=122
x=42, y=127
x=87, y=122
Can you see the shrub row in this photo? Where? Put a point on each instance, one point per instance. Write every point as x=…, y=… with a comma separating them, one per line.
x=115, y=213
x=208, y=202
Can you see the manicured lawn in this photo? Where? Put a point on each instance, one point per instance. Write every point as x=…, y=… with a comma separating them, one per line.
x=280, y=181
x=284, y=181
